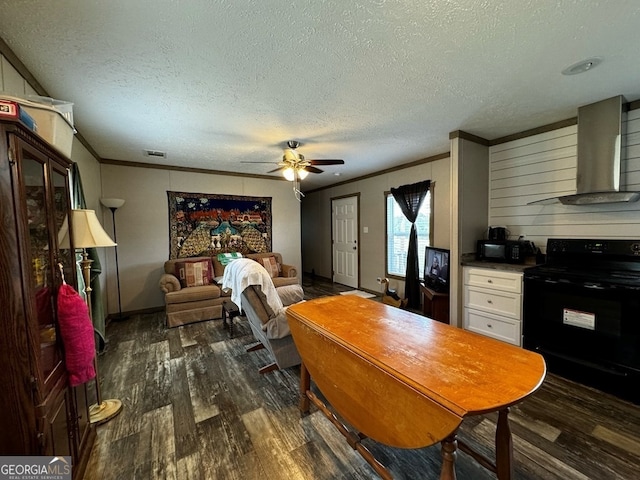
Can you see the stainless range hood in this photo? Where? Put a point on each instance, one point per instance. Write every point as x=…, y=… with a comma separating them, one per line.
x=599, y=156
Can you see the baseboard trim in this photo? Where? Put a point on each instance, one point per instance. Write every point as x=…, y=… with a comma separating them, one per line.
x=130, y=313
x=325, y=279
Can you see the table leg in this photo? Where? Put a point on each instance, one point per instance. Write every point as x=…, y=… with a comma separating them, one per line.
x=504, y=447
x=224, y=316
x=449, y=454
x=228, y=314
x=305, y=384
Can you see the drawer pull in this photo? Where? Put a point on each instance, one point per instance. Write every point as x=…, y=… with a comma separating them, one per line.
x=489, y=325
x=489, y=281
x=489, y=301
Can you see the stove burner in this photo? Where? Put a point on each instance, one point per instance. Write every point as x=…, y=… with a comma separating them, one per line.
x=611, y=262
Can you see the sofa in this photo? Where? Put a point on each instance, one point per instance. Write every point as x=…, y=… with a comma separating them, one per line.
x=191, y=289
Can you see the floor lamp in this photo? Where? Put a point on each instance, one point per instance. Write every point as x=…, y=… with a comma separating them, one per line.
x=113, y=204
x=88, y=233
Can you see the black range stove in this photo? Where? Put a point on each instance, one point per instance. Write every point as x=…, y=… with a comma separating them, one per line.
x=582, y=312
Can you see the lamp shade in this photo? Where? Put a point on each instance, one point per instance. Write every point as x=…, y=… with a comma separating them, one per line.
x=112, y=202
x=302, y=173
x=87, y=231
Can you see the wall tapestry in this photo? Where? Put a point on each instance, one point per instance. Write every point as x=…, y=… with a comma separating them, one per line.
x=203, y=224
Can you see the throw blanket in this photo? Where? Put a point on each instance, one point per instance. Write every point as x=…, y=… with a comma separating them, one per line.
x=226, y=258
x=243, y=272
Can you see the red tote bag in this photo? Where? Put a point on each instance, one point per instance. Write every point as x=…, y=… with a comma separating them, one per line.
x=77, y=335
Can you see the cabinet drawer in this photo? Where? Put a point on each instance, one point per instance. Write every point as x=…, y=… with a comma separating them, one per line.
x=501, y=328
x=496, y=279
x=494, y=301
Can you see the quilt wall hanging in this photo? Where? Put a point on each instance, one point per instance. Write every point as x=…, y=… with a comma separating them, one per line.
x=202, y=224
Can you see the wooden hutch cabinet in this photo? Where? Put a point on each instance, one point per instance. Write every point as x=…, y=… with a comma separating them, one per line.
x=41, y=413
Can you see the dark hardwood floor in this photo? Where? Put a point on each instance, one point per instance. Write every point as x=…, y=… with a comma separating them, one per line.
x=195, y=407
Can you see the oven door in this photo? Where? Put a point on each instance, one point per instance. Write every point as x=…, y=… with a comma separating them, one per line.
x=594, y=326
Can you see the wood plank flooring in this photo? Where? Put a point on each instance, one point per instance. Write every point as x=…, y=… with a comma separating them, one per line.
x=195, y=407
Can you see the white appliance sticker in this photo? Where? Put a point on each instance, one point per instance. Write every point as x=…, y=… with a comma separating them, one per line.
x=579, y=319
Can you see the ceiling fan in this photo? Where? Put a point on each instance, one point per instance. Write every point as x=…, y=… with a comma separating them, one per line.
x=294, y=164
x=296, y=167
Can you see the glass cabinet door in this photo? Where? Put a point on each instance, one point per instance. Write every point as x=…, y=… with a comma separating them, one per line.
x=44, y=278
x=66, y=261
x=61, y=205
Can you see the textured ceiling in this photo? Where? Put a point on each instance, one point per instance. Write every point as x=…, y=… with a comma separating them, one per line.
x=377, y=83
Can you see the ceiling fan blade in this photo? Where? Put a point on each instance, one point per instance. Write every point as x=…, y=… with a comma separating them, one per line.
x=326, y=162
x=275, y=170
x=311, y=169
x=247, y=161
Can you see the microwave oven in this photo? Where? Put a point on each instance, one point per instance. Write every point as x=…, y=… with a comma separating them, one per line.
x=506, y=251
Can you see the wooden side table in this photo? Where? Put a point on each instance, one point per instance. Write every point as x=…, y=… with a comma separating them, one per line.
x=435, y=305
x=229, y=311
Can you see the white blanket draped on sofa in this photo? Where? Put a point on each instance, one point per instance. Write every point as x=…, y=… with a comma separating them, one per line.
x=241, y=273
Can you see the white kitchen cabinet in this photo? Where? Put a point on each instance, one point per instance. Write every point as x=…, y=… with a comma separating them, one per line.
x=493, y=303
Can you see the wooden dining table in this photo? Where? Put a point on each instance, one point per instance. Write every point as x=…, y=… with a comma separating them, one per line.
x=407, y=381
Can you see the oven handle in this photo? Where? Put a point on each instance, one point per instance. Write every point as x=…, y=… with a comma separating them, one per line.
x=540, y=279
x=591, y=286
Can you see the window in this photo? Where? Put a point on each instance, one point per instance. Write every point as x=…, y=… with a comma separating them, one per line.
x=398, y=229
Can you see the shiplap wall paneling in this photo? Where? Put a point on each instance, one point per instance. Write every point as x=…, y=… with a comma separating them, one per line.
x=631, y=167
x=544, y=166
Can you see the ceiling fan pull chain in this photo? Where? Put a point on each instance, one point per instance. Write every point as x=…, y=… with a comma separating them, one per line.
x=296, y=186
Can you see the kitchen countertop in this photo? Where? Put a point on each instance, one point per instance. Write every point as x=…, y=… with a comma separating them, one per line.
x=469, y=260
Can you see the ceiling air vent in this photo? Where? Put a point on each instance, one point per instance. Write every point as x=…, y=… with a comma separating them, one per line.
x=155, y=153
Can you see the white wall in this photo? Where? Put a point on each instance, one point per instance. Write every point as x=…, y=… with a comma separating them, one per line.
x=142, y=224
x=11, y=82
x=469, y=206
x=316, y=220
x=543, y=166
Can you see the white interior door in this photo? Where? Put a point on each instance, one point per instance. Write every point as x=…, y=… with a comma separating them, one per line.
x=344, y=220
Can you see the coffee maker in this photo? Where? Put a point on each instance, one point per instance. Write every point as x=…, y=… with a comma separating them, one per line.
x=497, y=233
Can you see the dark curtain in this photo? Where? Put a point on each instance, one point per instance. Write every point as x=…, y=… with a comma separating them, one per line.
x=97, y=308
x=410, y=198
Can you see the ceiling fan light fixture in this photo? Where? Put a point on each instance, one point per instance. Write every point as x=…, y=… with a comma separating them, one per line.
x=302, y=173
x=289, y=173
